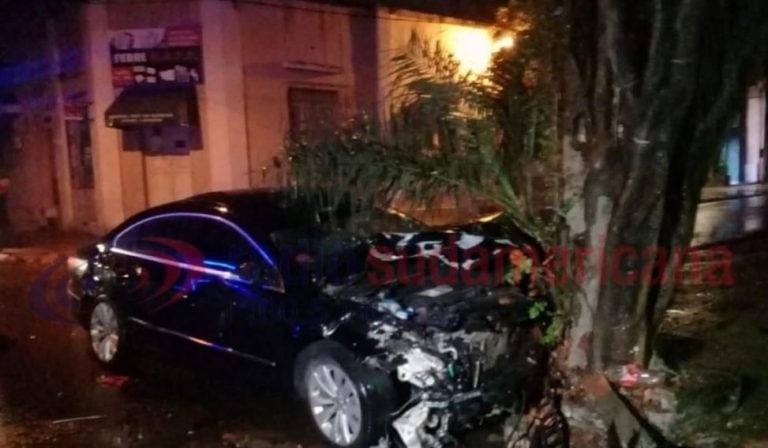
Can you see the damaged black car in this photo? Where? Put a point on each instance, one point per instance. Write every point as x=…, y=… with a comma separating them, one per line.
x=393, y=334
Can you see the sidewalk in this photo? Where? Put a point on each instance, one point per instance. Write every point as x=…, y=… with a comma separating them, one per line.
x=711, y=194
x=42, y=247
x=731, y=218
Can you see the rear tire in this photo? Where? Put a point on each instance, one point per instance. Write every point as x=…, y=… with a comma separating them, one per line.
x=349, y=404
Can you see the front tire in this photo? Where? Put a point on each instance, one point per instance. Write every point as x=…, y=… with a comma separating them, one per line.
x=349, y=404
x=107, y=334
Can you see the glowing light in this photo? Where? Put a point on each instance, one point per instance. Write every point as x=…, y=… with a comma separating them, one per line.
x=219, y=264
x=490, y=217
x=473, y=48
x=77, y=266
x=503, y=43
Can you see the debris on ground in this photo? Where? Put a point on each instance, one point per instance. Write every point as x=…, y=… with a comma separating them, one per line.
x=713, y=339
x=633, y=375
x=77, y=419
x=233, y=440
x=117, y=381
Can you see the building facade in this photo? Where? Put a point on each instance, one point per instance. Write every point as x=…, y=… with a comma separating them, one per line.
x=153, y=101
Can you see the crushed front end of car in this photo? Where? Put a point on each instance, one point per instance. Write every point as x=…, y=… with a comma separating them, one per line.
x=448, y=317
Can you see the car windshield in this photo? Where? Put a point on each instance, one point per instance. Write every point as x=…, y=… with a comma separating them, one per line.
x=352, y=227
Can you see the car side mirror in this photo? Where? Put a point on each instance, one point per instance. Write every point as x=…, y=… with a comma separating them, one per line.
x=249, y=272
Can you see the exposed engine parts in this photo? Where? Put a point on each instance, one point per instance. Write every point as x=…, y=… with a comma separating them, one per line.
x=458, y=379
x=467, y=353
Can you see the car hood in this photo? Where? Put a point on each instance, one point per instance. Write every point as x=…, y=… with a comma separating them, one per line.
x=440, y=278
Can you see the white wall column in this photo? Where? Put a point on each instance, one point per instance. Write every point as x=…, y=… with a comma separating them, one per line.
x=59, y=128
x=222, y=96
x=755, y=134
x=105, y=141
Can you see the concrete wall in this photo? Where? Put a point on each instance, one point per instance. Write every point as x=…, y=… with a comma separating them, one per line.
x=106, y=142
x=285, y=47
x=128, y=182
x=253, y=55
x=221, y=98
x=347, y=50
x=33, y=197
x=754, y=163
x=32, y=193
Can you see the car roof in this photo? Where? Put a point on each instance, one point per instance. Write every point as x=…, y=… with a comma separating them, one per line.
x=260, y=211
x=238, y=202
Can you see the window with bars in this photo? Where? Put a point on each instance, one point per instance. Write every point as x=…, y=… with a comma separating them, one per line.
x=313, y=113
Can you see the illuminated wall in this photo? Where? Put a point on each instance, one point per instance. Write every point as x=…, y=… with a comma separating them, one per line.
x=472, y=44
x=754, y=164
x=264, y=64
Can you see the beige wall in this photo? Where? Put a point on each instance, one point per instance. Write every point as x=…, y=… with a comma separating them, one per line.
x=323, y=47
x=253, y=54
x=106, y=141
x=754, y=165
x=128, y=182
x=221, y=97
x=31, y=197
x=285, y=48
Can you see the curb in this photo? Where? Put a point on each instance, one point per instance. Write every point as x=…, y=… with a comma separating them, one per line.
x=760, y=234
x=731, y=198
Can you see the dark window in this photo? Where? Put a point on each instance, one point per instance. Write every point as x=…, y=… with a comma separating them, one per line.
x=80, y=154
x=215, y=240
x=313, y=113
x=156, y=237
x=221, y=245
x=191, y=239
x=162, y=140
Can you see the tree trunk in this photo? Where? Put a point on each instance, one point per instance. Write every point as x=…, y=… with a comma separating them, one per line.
x=647, y=93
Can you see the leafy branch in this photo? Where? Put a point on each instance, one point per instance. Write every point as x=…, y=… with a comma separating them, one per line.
x=448, y=133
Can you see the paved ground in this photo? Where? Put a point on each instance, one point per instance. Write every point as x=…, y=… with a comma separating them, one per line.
x=726, y=192
x=727, y=219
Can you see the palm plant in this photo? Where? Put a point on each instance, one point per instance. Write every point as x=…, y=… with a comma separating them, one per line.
x=447, y=133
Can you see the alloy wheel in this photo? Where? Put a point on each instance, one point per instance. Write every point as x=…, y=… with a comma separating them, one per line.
x=334, y=402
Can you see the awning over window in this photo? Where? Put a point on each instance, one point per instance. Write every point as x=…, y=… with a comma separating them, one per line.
x=146, y=106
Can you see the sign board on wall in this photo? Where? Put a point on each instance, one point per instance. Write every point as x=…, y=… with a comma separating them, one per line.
x=156, y=56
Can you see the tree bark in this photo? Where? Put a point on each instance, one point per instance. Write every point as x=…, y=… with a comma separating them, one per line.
x=652, y=129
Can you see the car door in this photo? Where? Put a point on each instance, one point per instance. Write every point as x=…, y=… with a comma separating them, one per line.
x=203, y=278
x=173, y=269
x=254, y=290
x=148, y=264
x=233, y=269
